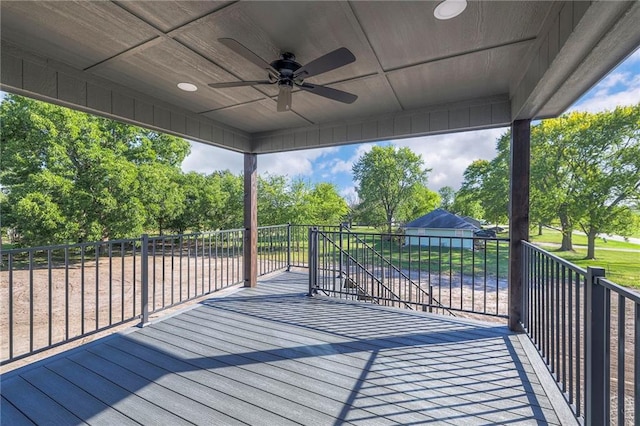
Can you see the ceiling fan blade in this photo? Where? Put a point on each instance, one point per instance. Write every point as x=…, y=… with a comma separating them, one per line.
x=239, y=83
x=328, y=62
x=248, y=54
x=284, y=99
x=328, y=92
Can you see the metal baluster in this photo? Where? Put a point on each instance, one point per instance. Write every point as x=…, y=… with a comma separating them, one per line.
x=50, y=307
x=621, y=360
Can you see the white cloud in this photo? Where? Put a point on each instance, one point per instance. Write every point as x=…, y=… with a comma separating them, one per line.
x=294, y=163
x=207, y=159
x=449, y=155
x=618, y=88
x=610, y=95
x=350, y=194
x=346, y=166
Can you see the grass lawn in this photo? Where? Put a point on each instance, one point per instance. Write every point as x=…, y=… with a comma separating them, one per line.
x=622, y=267
x=553, y=236
x=491, y=261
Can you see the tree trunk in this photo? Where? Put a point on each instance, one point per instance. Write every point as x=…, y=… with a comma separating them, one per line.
x=389, y=219
x=567, y=231
x=591, y=244
x=540, y=229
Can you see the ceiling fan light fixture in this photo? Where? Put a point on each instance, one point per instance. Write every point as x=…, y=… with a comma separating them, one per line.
x=187, y=87
x=448, y=9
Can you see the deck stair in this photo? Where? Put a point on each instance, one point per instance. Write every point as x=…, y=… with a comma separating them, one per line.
x=397, y=271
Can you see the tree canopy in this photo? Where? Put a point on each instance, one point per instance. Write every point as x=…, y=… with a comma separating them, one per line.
x=387, y=177
x=585, y=174
x=68, y=176
x=71, y=176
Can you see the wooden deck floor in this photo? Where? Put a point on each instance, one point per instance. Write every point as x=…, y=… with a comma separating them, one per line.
x=273, y=356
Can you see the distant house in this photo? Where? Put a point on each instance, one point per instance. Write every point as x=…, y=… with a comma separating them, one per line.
x=441, y=228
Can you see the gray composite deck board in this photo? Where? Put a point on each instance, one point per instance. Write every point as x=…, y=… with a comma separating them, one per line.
x=10, y=415
x=92, y=410
x=271, y=355
x=35, y=404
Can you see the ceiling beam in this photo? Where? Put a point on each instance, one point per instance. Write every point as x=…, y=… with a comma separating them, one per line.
x=460, y=116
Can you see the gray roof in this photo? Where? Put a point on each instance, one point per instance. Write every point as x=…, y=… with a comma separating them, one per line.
x=440, y=218
x=473, y=221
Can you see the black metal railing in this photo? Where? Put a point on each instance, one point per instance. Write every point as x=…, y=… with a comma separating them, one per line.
x=184, y=267
x=273, y=248
x=299, y=243
x=391, y=270
x=353, y=279
x=587, y=329
x=441, y=274
x=56, y=294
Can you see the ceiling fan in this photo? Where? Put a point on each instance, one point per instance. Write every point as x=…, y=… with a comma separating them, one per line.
x=287, y=73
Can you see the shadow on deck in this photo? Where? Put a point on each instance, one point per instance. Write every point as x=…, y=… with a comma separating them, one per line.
x=273, y=356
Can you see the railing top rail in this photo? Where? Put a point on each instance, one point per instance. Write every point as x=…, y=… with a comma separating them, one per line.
x=272, y=226
x=558, y=259
x=68, y=246
x=194, y=234
x=20, y=250
x=315, y=226
x=629, y=294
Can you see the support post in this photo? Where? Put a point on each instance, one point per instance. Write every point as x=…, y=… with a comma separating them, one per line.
x=597, y=351
x=250, y=246
x=144, y=278
x=518, y=215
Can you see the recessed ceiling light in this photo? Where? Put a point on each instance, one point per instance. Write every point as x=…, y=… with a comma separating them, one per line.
x=187, y=87
x=449, y=9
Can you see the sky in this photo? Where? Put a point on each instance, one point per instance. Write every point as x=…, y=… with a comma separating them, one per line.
x=446, y=155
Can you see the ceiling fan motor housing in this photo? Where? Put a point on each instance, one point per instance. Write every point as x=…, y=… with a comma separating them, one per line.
x=286, y=66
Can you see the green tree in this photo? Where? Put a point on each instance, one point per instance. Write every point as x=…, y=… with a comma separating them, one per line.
x=584, y=173
x=607, y=175
x=421, y=201
x=387, y=176
x=274, y=200
x=230, y=215
x=447, y=196
x=70, y=176
x=327, y=206
x=203, y=197
x=484, y=190
x=161, y=195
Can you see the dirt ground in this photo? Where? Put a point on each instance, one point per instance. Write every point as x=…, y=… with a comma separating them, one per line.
x=67, y=303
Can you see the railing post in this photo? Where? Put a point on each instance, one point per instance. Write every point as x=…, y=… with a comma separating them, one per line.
x=288, y=247
x=340, y=259
x=313, y=260
x=144, y=275
x=596, y=350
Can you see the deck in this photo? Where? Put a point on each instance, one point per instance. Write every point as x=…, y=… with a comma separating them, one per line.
x=273, y=356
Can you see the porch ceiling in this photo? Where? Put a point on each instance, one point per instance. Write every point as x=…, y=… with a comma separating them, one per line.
x=413, y=74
